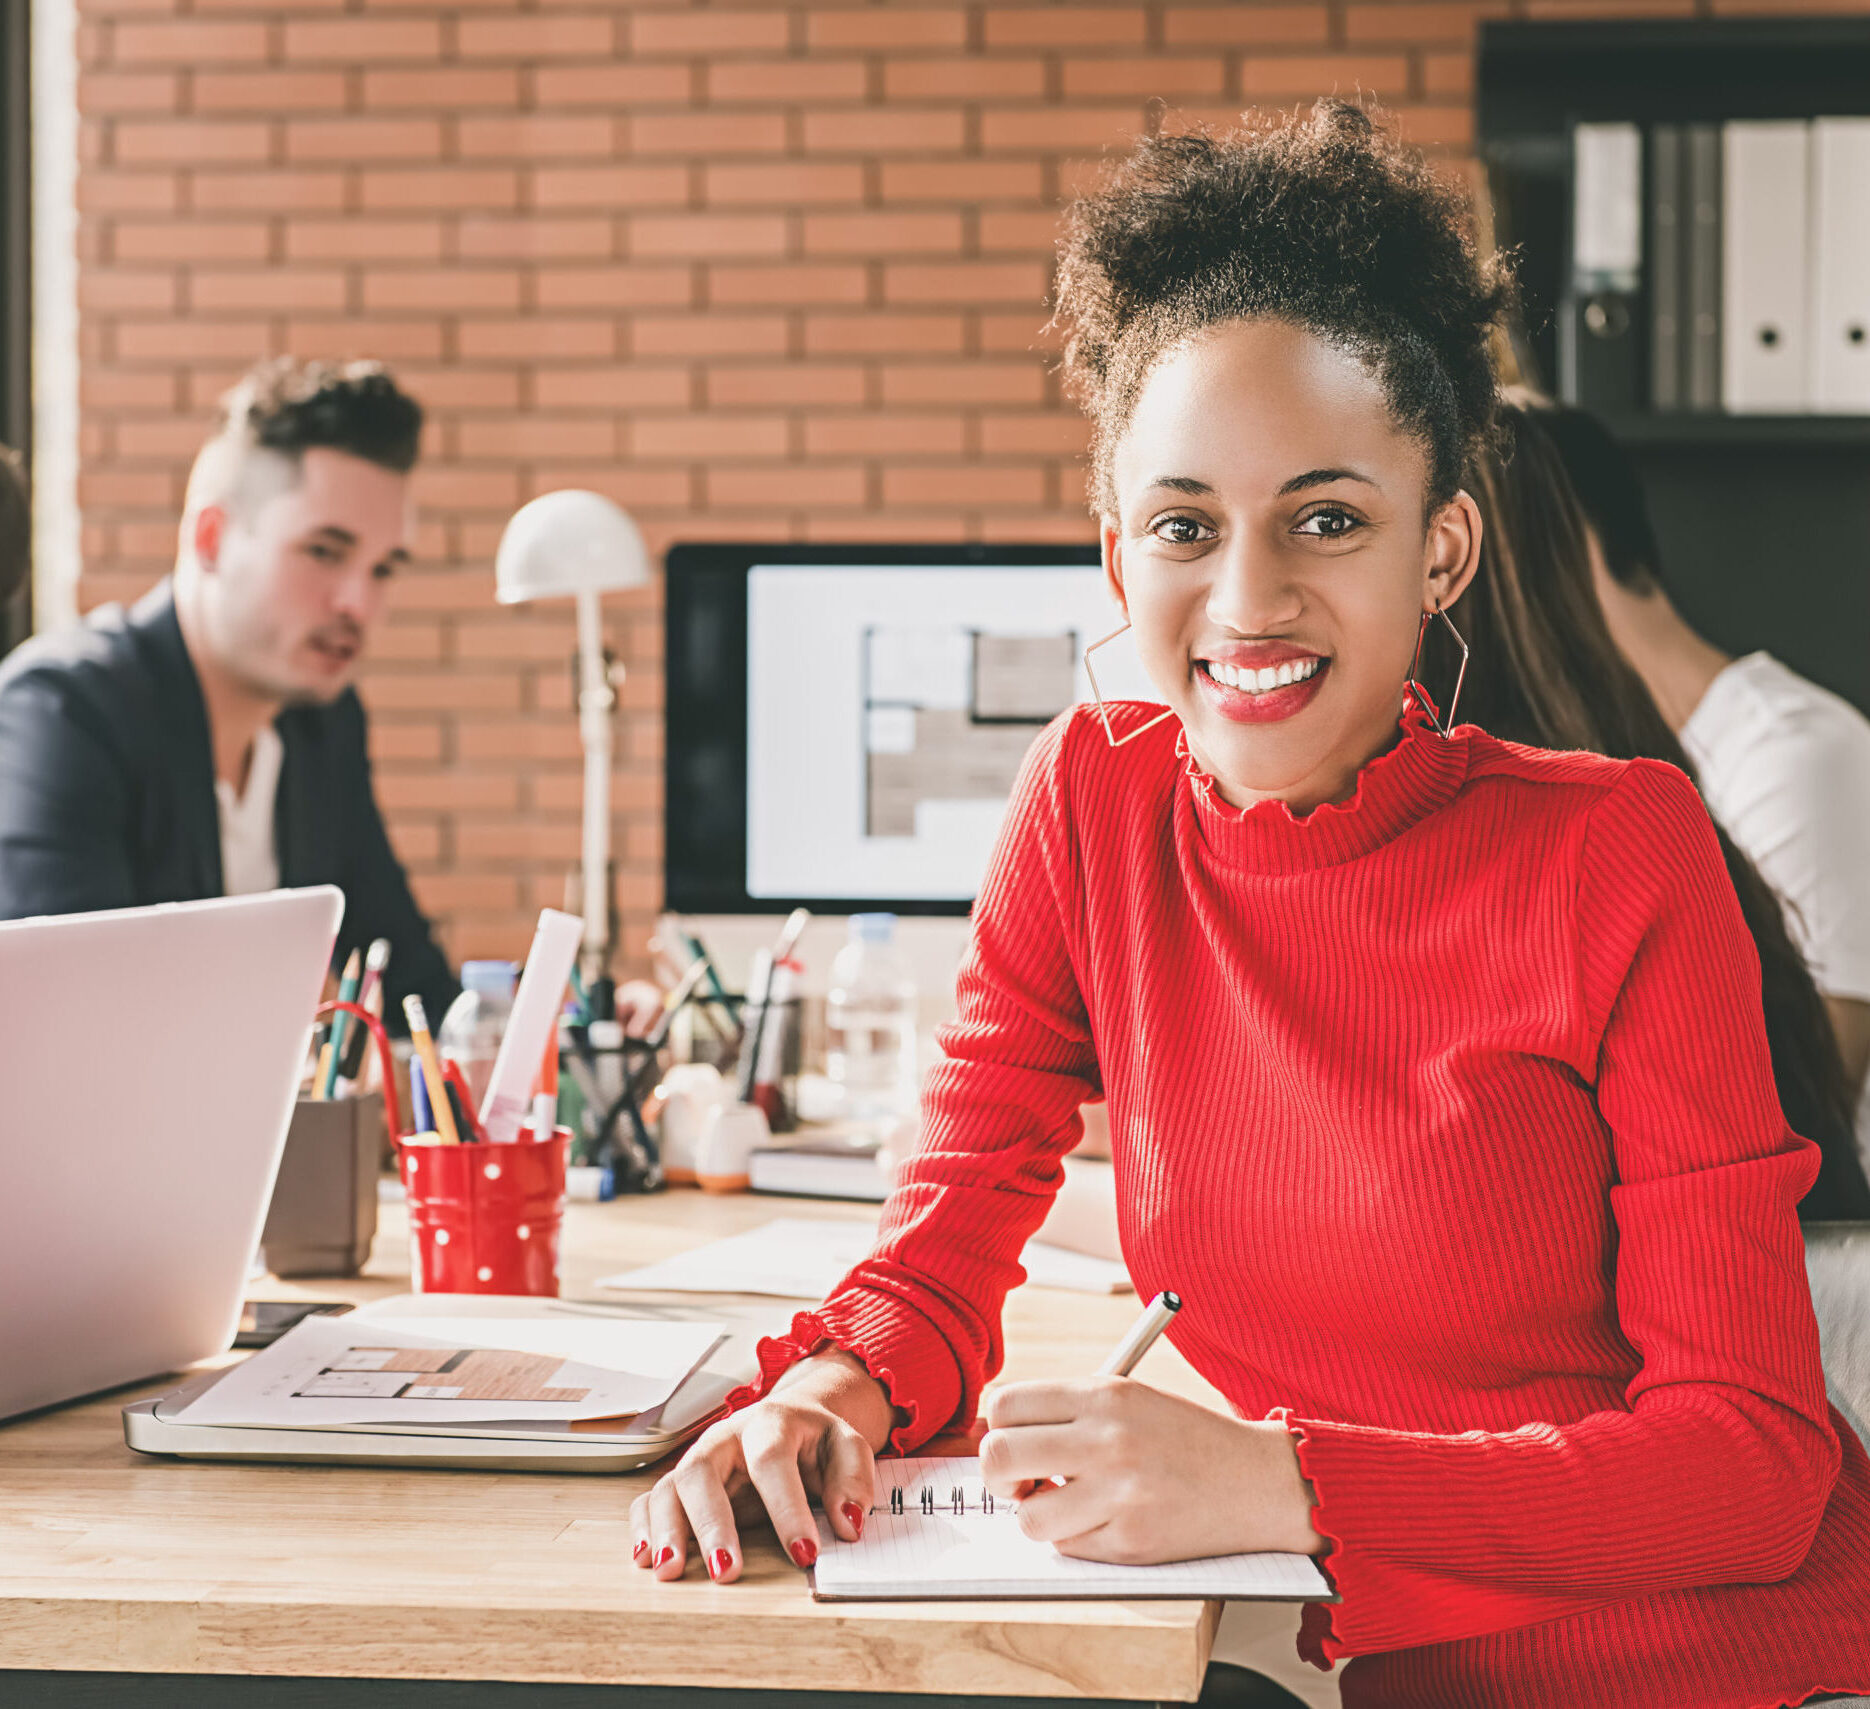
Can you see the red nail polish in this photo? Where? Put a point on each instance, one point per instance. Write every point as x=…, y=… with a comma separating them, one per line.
x=855, y=1515
x=664, y=1555
x=719, y=1562
x=640, y=1551
x=805, y=1551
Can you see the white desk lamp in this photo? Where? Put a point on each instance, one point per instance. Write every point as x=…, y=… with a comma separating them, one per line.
x=580, y=544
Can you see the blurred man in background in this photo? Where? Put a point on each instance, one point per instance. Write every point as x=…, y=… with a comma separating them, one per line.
x=208, y=742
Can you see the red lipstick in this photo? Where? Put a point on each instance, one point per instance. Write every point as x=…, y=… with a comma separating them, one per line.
x=1230, y=673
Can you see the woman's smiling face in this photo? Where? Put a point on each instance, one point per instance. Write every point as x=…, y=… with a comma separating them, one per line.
x=1274, y=552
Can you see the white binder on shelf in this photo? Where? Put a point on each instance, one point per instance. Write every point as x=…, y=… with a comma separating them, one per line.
x=1765, y=271
x=1839, y=356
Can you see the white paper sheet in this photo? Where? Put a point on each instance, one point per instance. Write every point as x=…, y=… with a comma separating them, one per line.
x=344, y=1370
x=805, y=1258
x=947, y=1537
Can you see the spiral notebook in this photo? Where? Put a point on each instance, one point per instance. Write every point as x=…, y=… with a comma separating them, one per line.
x=935, y=1532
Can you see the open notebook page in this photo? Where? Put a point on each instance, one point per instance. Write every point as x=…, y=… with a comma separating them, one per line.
x=934, y=1532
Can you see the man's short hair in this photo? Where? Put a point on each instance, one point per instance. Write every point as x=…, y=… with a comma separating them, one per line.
x=15, y=524
x=293, y=407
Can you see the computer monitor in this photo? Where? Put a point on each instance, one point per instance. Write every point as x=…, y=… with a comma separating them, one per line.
x=845, y=723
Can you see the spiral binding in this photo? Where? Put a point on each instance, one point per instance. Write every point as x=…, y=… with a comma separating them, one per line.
x=929, y=1505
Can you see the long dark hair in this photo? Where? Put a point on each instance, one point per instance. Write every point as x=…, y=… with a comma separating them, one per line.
x=1544, y=671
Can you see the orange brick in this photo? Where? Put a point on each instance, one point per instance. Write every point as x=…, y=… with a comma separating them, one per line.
x=963, y=382
x=872, y=334
x=363, y=41
x=190, y=240
x=480, y=488
x=190, y=42
x=443, y=892
x=703, y=235
x=788, y=284
x=179, y=340
x=611, y=86
x=961, y=181
x=707, y=335
x=189, y=142
x=1003, y=229
x=444, y=791
x=462, y=387
x=535, y=136
x=882, y=233
x=105, y=388
x=964, y=281
x=1021, y=332
x=253, y=91
x=1401, y=24
x=363, y=139
x=711, y=33
x=109, y=290
x=1144, y=76
x=617, y=187
x=277, y=190
x=442, y=87
x=379, y=240
x=404, y=739
x=560, y=336
x=790, y=183
x=128, y=192
x=666, y=438
x=793, y=383
x=441, y=289
x=530, y=36
x=1056, y=433
x=788, y=80
x=1055, y=130
x=404, y=643
x=530, y=437
x=706, y=133
x=892, y=434
x=964, y=483
x=971, y=79
x=532, y=237
x=1248, y=25
x=1435, y=127
x=388, y=339
x=113, y=92
x=946, y=523
x=1305, y=75
x=635, y=385
x=636, y=489
x=269, y=289
x=1448, y=74
x=787, y=486
x=613, y=287
x=884, y=131
x=509, y=638
x=893, y=27
x=425, y=190
x=1064, y=26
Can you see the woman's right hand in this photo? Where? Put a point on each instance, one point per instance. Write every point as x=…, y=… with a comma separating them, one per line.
x=816, y=1434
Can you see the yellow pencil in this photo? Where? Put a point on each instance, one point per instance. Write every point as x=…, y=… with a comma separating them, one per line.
x=424, y=1047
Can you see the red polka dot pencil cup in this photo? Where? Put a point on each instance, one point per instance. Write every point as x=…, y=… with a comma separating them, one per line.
x=485, y=1219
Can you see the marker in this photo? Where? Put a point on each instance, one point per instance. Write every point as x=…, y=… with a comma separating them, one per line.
x=419, y=1098
x=333, y=1053
x=544, y=1116
x=437, y=1082
x=461, y=1102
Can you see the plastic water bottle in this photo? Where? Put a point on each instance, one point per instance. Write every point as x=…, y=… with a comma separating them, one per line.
x=870, y=1024
x=476, y=1021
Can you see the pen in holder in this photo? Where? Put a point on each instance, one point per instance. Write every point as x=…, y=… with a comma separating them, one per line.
x=485, y=1219
x=323, y=1214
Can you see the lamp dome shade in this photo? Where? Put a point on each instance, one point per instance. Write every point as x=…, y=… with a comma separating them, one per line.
x=568, y=542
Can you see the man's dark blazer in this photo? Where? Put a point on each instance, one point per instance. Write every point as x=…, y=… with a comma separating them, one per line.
x=107, y=792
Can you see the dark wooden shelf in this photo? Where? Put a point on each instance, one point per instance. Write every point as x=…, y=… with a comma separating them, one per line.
x=1765, y=430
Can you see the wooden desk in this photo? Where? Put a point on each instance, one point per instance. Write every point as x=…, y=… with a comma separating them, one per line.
x=112, y=1564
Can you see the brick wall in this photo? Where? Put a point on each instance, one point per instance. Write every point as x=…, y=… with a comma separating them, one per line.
x=754, y=270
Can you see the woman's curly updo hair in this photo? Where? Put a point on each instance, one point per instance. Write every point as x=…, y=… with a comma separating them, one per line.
x=1322, y=219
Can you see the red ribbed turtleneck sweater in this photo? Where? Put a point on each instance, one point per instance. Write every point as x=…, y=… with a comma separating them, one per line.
x=1448, y=1112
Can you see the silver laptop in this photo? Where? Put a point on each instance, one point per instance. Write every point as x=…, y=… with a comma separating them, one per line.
x=149, y=1060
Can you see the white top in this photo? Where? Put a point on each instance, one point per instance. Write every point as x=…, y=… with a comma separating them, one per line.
x=249, y=852
x=1785, y=768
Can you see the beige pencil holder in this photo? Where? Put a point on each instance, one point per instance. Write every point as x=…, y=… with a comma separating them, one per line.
x=324, y=1211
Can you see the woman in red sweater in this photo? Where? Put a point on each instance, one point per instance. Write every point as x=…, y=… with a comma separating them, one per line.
x=1437, y=1080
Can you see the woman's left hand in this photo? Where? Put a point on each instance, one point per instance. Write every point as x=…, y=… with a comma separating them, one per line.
x=1147, y=1476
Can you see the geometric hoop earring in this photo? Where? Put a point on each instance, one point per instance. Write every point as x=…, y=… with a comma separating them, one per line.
x=1102, y=710
x=1445, y=726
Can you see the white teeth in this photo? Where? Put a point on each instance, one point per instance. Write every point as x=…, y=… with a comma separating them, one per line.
x=1260, y=681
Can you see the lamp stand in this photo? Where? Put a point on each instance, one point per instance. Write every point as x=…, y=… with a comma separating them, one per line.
x=597, y=700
